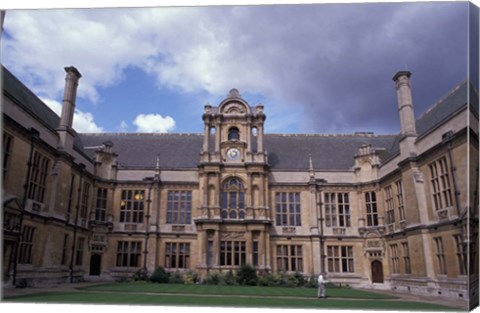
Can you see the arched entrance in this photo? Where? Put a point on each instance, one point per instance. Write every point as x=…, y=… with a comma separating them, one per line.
x=377, y=272
x=95, y=263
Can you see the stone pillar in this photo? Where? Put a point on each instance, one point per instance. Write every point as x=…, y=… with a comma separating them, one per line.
x=249, y=247
x=260, y=138
x=267, y=251
x=202, y=243
x=261, y=185
x=217, y=137
x=206, y=138
x=250, y=190
x=216, y=248
x=261, y=250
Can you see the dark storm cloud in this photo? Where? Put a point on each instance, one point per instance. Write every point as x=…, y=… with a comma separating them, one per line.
x=335, y=62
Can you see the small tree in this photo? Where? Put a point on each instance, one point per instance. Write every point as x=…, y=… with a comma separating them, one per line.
x=247, y=275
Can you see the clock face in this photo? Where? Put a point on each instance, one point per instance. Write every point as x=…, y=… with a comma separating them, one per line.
x=233, y=154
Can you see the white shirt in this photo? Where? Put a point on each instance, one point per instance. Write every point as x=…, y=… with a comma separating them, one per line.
x=320, y=279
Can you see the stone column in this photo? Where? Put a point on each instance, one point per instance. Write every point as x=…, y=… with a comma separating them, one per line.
x=206, y=138
x=216, y=248
x=217, y=137
x=261, y=250
x=261, y=200
x=260, y=138
x=249, y=247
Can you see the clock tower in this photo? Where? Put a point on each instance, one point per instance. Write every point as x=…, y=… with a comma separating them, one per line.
x=233, y=179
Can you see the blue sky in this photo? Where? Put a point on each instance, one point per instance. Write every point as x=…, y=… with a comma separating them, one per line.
x=322, y=68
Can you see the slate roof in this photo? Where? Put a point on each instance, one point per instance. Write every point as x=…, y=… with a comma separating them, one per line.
x=286, y=152
x=27, y=100
x=455, y=100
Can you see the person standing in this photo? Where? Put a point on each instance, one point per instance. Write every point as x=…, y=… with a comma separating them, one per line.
x=321, y=281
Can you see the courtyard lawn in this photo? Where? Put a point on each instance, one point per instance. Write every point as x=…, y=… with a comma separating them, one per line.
x=147, y=287
x=224, y=296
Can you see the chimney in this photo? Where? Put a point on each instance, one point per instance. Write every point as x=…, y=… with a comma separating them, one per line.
x=68, y=108
x=405, y=104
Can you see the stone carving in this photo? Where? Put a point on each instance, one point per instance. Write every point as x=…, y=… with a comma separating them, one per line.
x=442, y=215
x=130, y=227
x=288, y=230
x=338, y=231
x=233, y=235
x=418, y=175
x=178, y=228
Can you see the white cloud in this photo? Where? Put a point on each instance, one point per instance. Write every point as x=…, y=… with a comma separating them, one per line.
x=306, y=55
x=154, y=123
x=82, y=121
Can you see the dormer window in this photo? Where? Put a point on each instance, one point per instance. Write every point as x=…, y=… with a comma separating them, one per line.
x=233, y=134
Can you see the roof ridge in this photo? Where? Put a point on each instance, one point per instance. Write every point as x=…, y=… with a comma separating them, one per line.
x=139, y=134
x=442, y=99
x=361, y=134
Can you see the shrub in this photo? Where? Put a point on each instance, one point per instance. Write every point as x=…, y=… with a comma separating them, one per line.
x=300, y=278
x=212, y=279
x=291, y=281
x=312, y=282
x=139, y=275
x=247, y=275
x=160, y=276
x=271, y=280
x=230, y=278
x=175, y=278
x=190, y=278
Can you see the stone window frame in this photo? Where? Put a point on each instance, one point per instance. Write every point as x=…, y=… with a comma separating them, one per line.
x=288, y=208
x=440, y=252
x=79, y=249
x=395, y=258
x=441, y=190
x=460, y=252
x=340, y=259
x=233, y=252
x=128, y=253
x=25, y=253
x=63, y=260
x=85, y=199
x=289, y=258
x=389, y=204
x=233, y=199
x=400, y=201
x=101, y=204
x=177, y=255
x=132, y=206
x=371, y=208
x=406, y=258
x=179, y=207
x=37, y=182
x=337, y=212
x=8, y=141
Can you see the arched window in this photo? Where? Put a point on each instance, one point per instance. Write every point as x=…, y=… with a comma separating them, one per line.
x=233, y=199
x=233, y=134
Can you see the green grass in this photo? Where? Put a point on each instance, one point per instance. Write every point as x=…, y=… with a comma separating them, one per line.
x=142, y=293
x=236, y=290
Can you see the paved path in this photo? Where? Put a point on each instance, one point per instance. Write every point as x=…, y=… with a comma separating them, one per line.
x=77, y=287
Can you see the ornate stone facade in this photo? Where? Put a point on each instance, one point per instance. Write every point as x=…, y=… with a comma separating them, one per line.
x=383, y=211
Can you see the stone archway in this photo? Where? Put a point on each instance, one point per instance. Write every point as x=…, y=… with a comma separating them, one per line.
x=95, y=264
x=377, y=272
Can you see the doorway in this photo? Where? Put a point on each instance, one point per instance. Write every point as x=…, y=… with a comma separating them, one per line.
x=95, y=263
x=377, y=272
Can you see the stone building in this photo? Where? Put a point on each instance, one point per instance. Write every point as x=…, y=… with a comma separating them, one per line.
x=393, y=211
